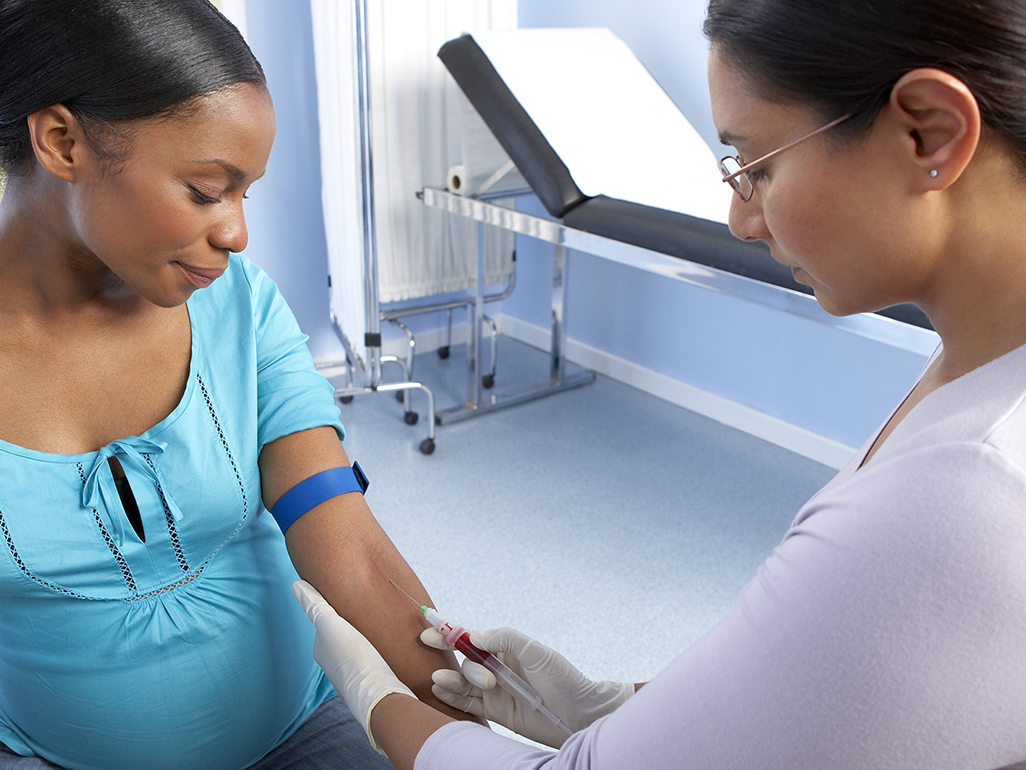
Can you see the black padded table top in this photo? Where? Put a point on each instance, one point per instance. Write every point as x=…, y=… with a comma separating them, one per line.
x=697, y=240
x=679, y=235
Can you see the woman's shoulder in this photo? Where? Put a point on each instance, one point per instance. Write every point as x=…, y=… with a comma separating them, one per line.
x=984, y=410
x=988, y=408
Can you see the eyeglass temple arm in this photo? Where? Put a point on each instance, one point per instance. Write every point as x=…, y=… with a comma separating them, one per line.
x=779, y=150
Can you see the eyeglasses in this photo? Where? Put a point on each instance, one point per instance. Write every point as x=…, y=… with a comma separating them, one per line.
x=735, y=172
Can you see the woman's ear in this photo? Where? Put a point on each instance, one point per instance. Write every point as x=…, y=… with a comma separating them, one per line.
x=58, y=141
x=941, y=119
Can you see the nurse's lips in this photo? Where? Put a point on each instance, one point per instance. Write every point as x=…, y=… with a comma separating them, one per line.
x=797, y=273
x=201, y=277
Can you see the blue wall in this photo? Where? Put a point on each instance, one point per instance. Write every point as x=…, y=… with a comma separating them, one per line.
x=284, y=212
x=829, y=382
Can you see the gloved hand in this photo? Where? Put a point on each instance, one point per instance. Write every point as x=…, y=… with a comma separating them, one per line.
x=571, y=696
x=359, y=673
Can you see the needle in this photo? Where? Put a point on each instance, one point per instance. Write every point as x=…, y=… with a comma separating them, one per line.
x=406, y=594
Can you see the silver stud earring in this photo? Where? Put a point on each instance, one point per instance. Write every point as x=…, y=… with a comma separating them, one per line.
x=933, y=173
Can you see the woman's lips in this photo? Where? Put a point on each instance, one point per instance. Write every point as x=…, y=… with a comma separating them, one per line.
x=201, y=277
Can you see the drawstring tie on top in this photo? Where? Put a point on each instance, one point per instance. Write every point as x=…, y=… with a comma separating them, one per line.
x=100, y=492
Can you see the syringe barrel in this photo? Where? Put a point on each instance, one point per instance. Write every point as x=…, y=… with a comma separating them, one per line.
x=515, y=686
x=504, y=675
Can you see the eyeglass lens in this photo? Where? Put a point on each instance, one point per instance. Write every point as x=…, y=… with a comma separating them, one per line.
x=741, y=184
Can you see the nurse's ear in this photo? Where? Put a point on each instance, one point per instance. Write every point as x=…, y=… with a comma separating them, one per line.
x=58, y=141
x=941, y=122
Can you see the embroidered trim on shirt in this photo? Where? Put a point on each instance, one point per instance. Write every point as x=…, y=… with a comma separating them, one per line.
x=172, y=530
x=224, y=444
x=126, y=571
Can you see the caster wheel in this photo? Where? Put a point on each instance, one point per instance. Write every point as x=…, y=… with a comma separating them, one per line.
x=488, y=381
x=411, y=418
x=346, y=399
x=427, y=446
x=443, y=352
x=398, y=395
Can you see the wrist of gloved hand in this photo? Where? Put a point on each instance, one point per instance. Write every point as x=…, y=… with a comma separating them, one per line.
x=574, y=698
x=360, y=675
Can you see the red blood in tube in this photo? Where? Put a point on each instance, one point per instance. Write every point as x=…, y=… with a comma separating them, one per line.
x=460, y=639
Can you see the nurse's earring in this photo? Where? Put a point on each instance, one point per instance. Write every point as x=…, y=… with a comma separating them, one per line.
x=933, y=173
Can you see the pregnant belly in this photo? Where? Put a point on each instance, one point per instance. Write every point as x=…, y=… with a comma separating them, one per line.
x=211, y=675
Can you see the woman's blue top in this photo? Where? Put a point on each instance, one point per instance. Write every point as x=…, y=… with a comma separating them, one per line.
x=186, y=650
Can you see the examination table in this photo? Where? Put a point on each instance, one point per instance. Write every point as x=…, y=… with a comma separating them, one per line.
x=546, y=95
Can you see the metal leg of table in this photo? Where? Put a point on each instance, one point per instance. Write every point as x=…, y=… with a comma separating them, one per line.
x=558, y=380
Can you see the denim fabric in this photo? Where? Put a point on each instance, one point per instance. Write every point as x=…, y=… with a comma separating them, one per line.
x=331, y=739
x=11, y=761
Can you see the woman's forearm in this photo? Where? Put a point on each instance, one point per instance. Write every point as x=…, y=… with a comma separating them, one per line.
x=340, y=549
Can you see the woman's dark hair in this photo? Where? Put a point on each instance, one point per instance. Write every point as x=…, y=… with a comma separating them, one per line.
x=111, y=60
x=844, y=56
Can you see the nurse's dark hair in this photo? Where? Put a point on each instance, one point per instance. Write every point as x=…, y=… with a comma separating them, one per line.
x=111, y=61
x=844, y=56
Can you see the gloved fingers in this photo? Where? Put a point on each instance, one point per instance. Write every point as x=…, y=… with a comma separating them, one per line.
x=309, y=599
x=321, y=614
x=516, y=649
x=337, y=642
x=531, y=656
x=432, y=638
x=465, y=703
x=567, y=692
x=451, y=688
x=479, y=681
x=452, y=681
x=479, y=676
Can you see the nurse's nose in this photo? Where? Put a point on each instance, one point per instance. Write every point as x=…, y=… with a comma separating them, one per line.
x=746, y=220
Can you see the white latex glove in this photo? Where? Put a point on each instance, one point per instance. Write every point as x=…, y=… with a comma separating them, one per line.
x=359, y=673
x=565, y=691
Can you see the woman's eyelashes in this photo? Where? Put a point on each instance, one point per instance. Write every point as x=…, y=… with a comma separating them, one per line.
x=205, y=199
x=200, y=197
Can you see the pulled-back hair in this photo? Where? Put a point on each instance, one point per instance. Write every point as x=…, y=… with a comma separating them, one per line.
x=111, y=60
x=843, y=56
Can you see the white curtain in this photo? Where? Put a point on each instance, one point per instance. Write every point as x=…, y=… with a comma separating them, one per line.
x=420, y=127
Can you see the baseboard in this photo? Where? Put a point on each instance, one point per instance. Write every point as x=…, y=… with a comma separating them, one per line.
x=796, y=439
x=791, y=437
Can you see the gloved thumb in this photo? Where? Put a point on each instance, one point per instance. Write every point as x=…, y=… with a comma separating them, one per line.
x=310, y=600
x=503, y=640
x=477, y=675
x=432, y=637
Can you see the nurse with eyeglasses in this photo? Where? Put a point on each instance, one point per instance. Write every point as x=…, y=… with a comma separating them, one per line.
x=888, y=627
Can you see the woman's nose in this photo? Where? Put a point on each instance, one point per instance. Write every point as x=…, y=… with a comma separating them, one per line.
x=746, y=220
x=230, y=232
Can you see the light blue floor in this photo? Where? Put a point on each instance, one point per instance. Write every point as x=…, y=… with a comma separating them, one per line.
x=563, y=514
